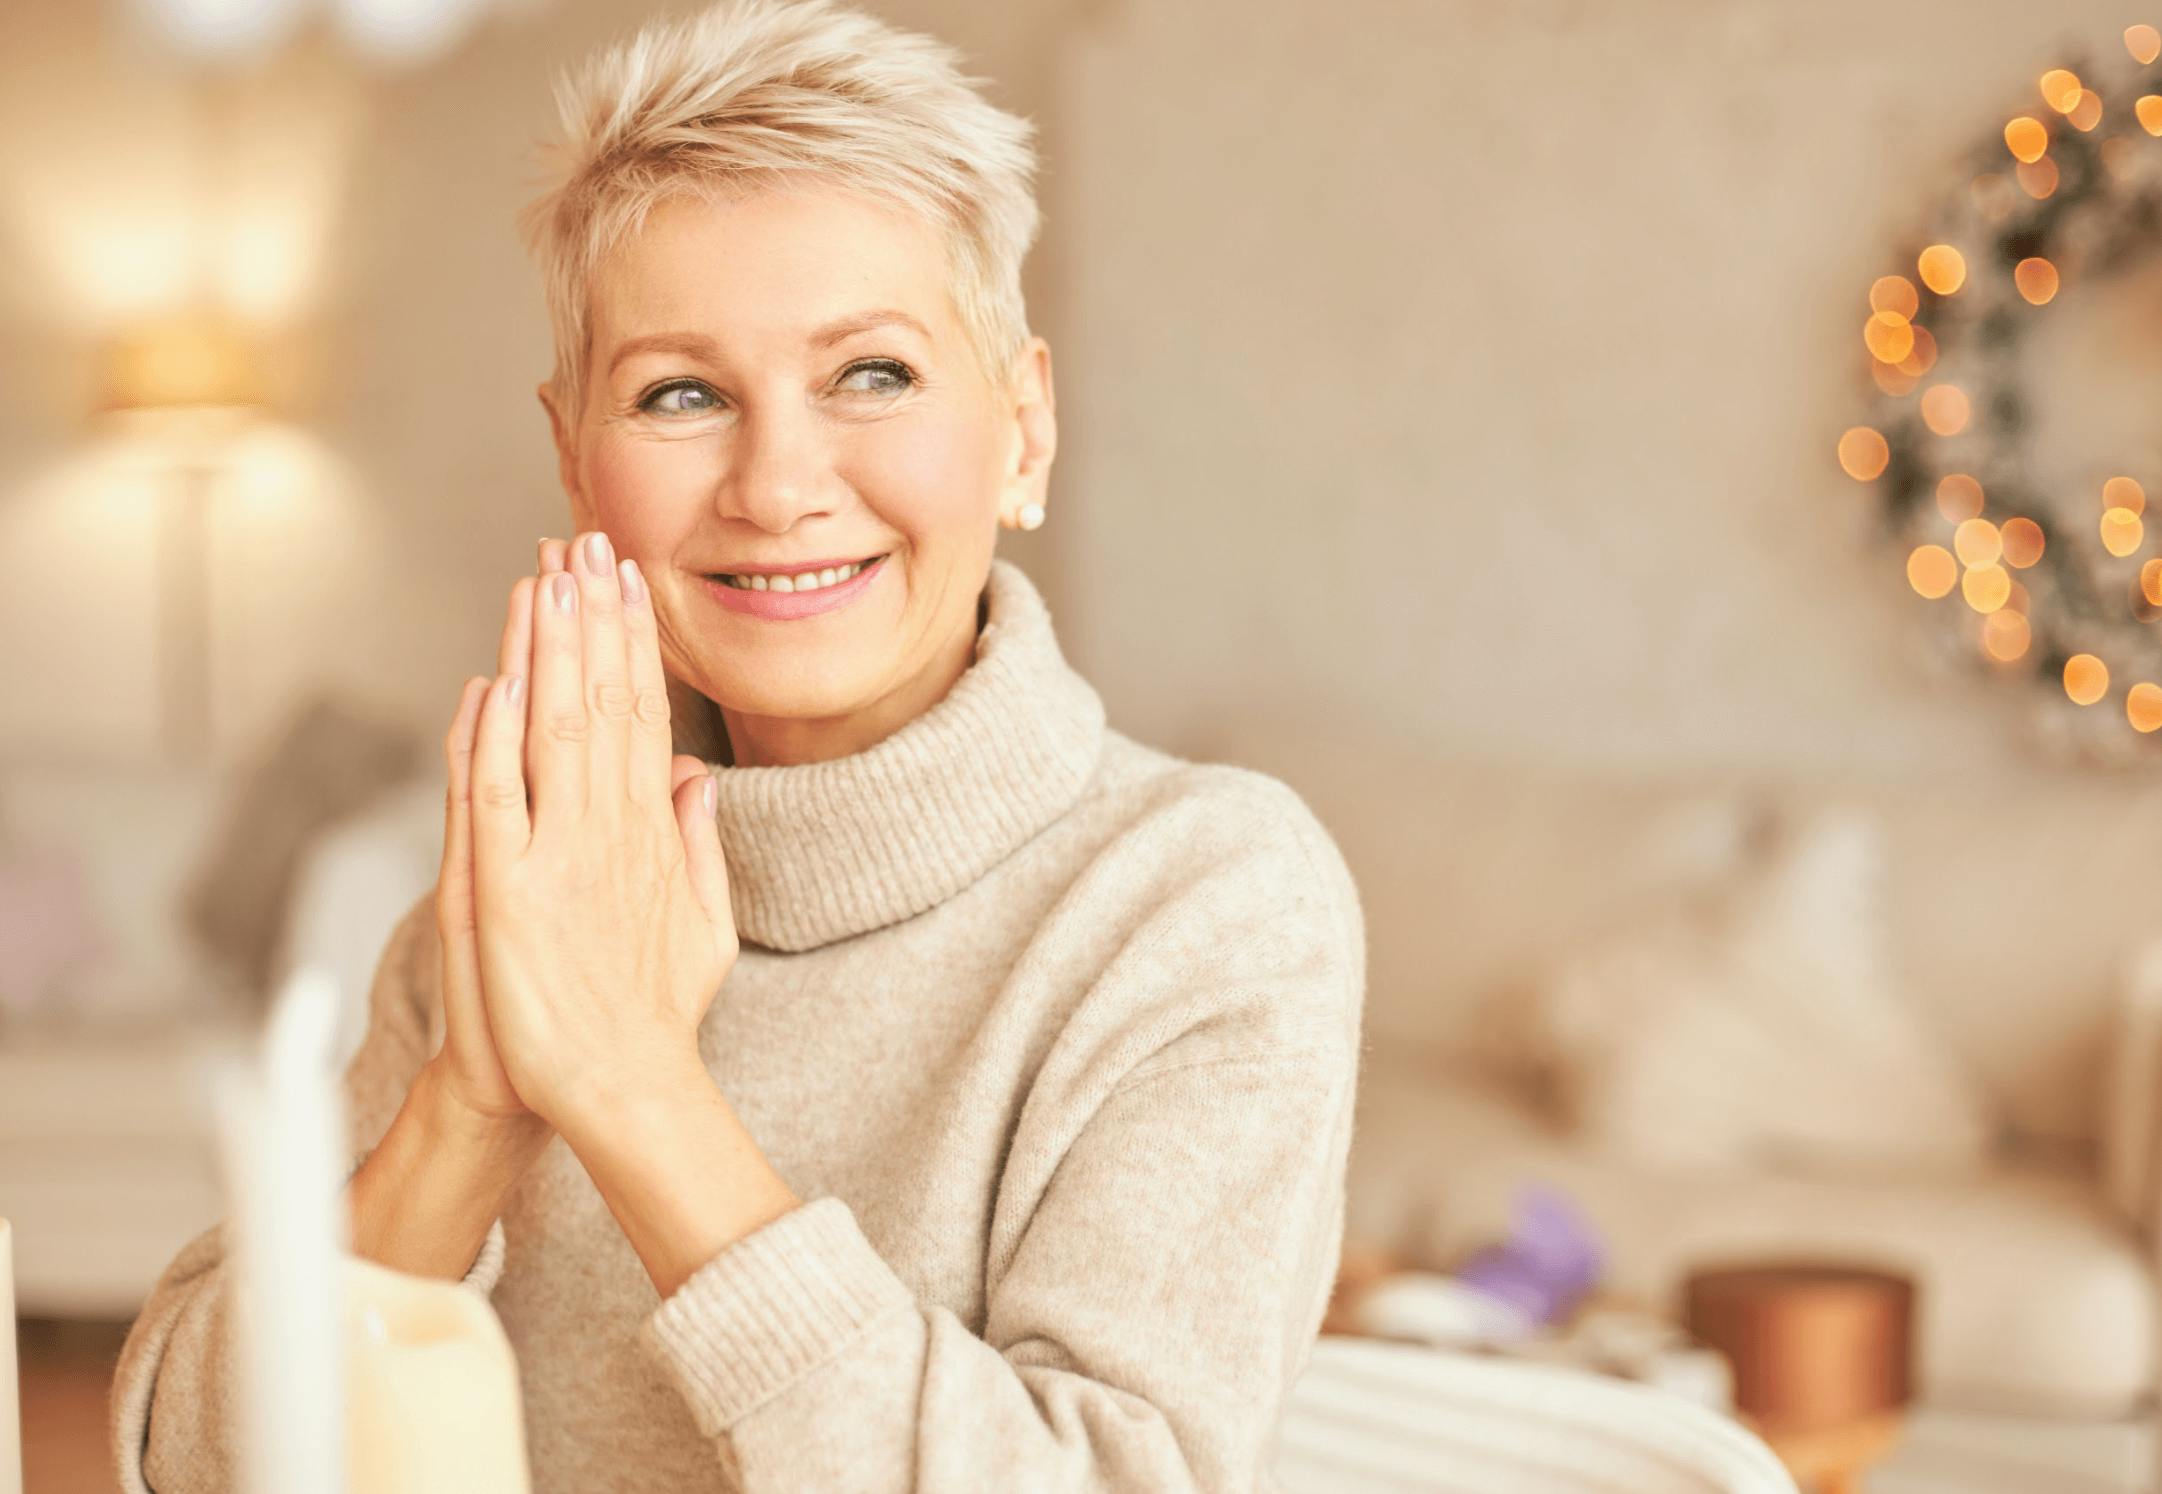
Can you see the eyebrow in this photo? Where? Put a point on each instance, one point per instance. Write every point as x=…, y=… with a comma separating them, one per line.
x=698, y=345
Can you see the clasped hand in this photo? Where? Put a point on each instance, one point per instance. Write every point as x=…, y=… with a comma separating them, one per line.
x=583, y=901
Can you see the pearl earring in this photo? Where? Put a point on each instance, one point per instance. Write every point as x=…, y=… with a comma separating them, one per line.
x=1031, y=515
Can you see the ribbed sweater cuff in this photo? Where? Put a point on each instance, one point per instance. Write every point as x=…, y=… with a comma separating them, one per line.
x=770, y=1308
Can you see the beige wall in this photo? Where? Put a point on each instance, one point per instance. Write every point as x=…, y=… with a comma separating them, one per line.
x=1467, y=372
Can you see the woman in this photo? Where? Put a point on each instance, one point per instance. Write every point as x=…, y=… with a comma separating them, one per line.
x=844, y=1060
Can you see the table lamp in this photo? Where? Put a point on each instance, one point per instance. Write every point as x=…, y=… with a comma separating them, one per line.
x=193, y=379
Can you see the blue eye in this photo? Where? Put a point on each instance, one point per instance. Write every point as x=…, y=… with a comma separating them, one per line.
x=659, y=402
x=901, y=373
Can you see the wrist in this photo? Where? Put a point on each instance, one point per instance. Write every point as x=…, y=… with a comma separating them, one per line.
x=450, y=1122
x=609, y=1098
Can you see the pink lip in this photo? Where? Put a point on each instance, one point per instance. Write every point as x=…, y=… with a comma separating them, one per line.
x=783, y=605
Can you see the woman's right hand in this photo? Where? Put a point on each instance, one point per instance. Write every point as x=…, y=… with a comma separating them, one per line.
x=470, y=1073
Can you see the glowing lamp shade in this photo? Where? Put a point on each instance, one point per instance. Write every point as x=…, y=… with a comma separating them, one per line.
x=195, y=361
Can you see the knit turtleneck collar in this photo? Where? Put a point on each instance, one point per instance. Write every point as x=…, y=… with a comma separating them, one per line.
x=819, y=852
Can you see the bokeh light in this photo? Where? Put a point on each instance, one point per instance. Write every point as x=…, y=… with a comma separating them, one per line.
x=2086, y=679
x=2038, y=179
x=2150, y=581
x=1959, y=497
x=2005, y=636
x=2143, y=706
x=1945, y=409
x=1986, y=587
x=1924, y=356
x=2121, y=531
x=1889, y=336
x=1892, y=378
x=2149, y=110
x=1863, y=453
x=2036, y=278
x=2124, y=492
x=2087, y=113
x=2060, y=89
x=2022, y=540
x=1896, y=294
x=1977, y=542
x=1932, y=571
x=2144, y=43
x=1942, y=268
x=2027, y=138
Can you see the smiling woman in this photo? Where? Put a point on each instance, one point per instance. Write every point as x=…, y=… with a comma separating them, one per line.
x=951, y=1090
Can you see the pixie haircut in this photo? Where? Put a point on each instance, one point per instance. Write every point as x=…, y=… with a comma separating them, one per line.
x=756, y=94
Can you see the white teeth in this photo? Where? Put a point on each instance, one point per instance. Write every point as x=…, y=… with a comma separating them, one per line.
x=808, y=581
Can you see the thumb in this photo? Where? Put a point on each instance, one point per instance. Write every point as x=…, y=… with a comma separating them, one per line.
x=702, y=856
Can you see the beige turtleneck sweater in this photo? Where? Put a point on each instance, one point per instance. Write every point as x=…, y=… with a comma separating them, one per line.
x=1055, y=1034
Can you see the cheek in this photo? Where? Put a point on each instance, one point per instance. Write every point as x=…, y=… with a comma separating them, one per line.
x=646, y=493
x=930, y=480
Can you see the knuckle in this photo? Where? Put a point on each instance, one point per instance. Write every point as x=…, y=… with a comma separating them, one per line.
x=652, y=706
x=502, y=795
x=568, y=725
x=612, y=700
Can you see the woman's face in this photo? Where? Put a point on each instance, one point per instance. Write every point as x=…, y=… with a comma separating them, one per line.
x=744, y=410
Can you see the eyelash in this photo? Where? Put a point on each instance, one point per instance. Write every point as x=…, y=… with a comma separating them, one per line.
x=906, y=374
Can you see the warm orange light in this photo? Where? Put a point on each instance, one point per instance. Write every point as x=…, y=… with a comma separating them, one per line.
x=2143, y=706
x=1945, y=409
x=1924, y=356
x=1959, y=497
x=2005, y=636
x=2149, y=110
x=2017, y=601
x=1986, y=587
x=2037, y=179
x=2086, y=679
x=1931, y=570
x=2144, y=43
x=2087, y=112
x=1896, y=294
x=2121, y=531
x=2036, y=279
x=1892, y=378
x=1977, y=542
x=1942, y=268
x=2026, y=138
x=2123, y=492
x=1889, y=336
x=2060, y=89
x=1863, y=453
x=2022, y=540
x=2150, y=582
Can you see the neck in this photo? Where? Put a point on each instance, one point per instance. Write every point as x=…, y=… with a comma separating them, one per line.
x=745, y=740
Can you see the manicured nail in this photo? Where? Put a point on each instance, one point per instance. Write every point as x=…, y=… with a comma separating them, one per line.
x=600, y=555
x=634, y=585
x=514, y=692
x=566, y=591
x=712, y=792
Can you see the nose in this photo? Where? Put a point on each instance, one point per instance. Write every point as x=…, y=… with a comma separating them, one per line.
x=776, y=470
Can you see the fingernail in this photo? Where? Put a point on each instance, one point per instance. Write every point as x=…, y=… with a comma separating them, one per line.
x=566, y=590
x=712, y=792
x=634, y=585
x=514, y=692
x=600, y=555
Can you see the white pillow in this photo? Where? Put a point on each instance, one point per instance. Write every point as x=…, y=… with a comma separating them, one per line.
x=1759, y=1024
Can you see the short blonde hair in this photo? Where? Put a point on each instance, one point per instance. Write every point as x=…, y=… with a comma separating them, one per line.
x=735, y=98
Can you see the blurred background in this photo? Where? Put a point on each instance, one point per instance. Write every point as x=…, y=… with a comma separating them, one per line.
x=1493, y=420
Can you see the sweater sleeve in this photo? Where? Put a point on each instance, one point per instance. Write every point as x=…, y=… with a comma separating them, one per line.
x=174, y=1399
x=1152, y=1314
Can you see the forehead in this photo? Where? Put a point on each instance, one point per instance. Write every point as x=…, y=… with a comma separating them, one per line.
x=766, y=269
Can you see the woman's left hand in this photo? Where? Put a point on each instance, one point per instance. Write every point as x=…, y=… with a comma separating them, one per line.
x=600, y=891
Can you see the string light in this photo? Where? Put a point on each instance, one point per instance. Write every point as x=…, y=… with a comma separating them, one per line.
x=1959, y=497
x=2149, y=110
x=1945, y=409
x=1944, y=269
x=1977, y=543
x=2143, y=706
x=2026, y=138
x=2124, y=492
x=2086, y=679
x=2022, y=540
x=2005, y=636
x=2087, y=113
x=1889, y=336
x=2038, y=179
x=2036, y=279
x=2144, y=43
x=1986, y=587
x=2150, y=582
x=1863, y=453
x=1931, y=571
x=2121, y=531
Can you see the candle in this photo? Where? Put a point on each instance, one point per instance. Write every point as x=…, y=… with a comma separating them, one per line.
x=11, y=1447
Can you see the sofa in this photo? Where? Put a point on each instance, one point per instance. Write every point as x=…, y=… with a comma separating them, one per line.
x=2025, y=920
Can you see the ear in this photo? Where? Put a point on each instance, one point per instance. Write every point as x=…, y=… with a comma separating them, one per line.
x=561, y=428
x=1035, y=427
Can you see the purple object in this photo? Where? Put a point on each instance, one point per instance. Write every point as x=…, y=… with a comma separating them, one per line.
x=1552, y=1257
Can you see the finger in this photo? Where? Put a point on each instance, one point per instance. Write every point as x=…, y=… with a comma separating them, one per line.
x=609, y=701
x=454, y=884
x=516, y=654
x=702, y=856
x=552, y=556
x=652, y=743
x=501, y=825
x=556, y=721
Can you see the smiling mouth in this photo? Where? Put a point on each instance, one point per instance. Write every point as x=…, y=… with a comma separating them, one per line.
x=802, y=581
